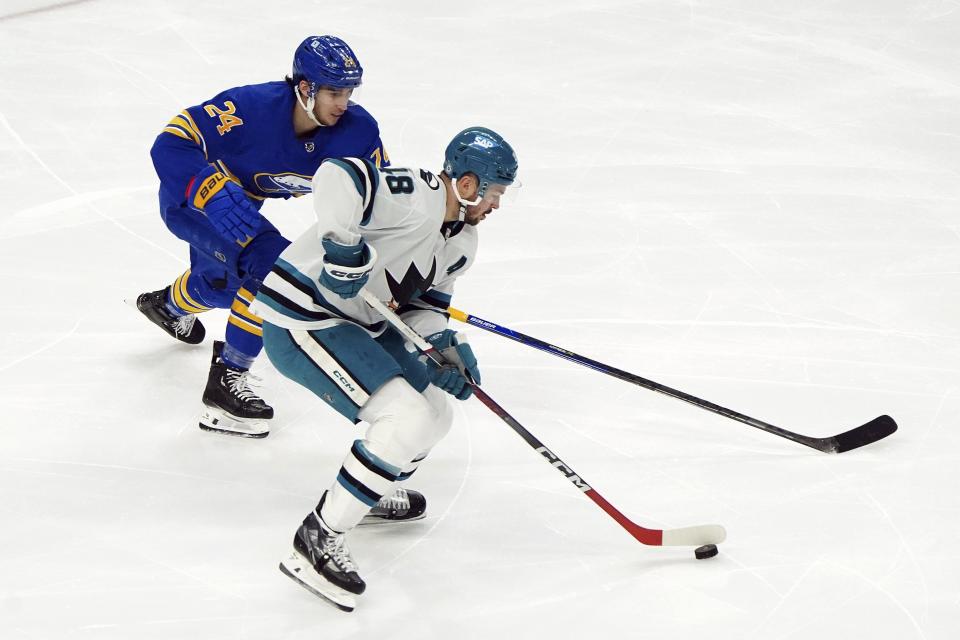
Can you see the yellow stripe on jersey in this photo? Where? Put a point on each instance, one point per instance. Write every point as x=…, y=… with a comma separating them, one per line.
x=179, y=122
x=246, y=326
x=182, y=298
x=177, y=132
x=193, y=127
x=183, y=126
x=244, y=294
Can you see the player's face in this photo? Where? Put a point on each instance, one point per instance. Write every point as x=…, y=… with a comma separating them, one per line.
x=489, y=202
x=330, y=104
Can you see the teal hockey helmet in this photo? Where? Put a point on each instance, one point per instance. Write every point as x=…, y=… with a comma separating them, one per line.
x=484, y=153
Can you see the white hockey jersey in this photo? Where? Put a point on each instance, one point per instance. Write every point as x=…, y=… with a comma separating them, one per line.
x=399, y=212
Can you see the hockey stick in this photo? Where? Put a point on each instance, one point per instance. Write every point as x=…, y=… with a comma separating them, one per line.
x=685, y=536
x=876, y=429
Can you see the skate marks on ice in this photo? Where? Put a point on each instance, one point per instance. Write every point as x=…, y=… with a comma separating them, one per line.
x=50, y=345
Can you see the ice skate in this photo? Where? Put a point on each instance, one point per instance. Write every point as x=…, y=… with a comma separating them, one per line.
x=321, y=563
x=184, y=328
x=404, y=505
x=229, y=404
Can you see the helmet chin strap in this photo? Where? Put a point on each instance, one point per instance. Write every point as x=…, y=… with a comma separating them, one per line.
x=465, y=203
x=308, y=107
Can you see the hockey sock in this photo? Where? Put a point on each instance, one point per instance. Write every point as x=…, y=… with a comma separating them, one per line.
x=410, y=467
x=173, y=309
x=404, y=424
x=179, y=301
x=364, y=478
x=244, y=335
x=236, y=359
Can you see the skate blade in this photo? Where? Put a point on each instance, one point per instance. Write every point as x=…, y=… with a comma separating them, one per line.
x=298, y=569
x=369, y=520
x=222, y=422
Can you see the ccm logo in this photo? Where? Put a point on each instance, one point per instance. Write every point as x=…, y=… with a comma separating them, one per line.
x=343, y=381
x=347, y=275
x=564, y=469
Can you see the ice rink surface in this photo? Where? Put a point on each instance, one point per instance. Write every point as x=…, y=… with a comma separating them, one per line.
x=753, y=201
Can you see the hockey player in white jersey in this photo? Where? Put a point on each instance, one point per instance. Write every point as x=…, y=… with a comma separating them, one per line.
x=405, y=235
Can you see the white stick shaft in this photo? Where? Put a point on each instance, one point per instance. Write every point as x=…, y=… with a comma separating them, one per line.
x=395, y=320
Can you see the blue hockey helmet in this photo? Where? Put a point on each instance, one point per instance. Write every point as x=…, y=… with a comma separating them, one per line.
x=483, y=152
x=326, y=61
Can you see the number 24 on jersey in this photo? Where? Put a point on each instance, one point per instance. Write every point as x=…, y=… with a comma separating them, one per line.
x=227, y=119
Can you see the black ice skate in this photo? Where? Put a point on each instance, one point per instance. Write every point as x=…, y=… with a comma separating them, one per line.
x=404, y=505
x=184, y=328
x=229, y=405
x=321, y=563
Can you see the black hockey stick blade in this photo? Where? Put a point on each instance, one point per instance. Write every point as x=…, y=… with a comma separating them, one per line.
x=877, y=429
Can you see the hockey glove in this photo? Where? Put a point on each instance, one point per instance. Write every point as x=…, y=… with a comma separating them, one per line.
x=460, y=367
x=346, y=268
x=225, y=204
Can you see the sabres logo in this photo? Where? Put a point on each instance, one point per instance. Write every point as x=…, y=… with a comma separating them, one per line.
x=283, y=183
x=309, y=146
x=349, y=62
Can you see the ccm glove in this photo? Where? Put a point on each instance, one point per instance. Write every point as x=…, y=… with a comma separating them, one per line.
x=346, y=268
x=460, y=365
x=225, y=204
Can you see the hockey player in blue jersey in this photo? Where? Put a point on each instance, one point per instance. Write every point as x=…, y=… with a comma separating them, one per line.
x=405, y=236
x=218, y=162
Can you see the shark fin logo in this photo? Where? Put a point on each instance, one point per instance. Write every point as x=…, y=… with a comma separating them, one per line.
x=412, y=285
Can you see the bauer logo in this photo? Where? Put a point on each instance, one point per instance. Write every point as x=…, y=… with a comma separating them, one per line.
x=564, y=469
x=482, y=323
x=212, y=185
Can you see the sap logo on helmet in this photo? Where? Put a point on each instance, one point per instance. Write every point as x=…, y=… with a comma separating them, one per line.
x=484, y=141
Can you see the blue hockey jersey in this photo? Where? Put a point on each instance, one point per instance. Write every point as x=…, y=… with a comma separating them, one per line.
x=247, y=133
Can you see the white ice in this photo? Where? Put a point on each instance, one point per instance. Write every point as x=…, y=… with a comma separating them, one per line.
x=755, y=202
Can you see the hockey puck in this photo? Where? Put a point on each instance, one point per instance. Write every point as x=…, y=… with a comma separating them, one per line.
x=706, y=551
